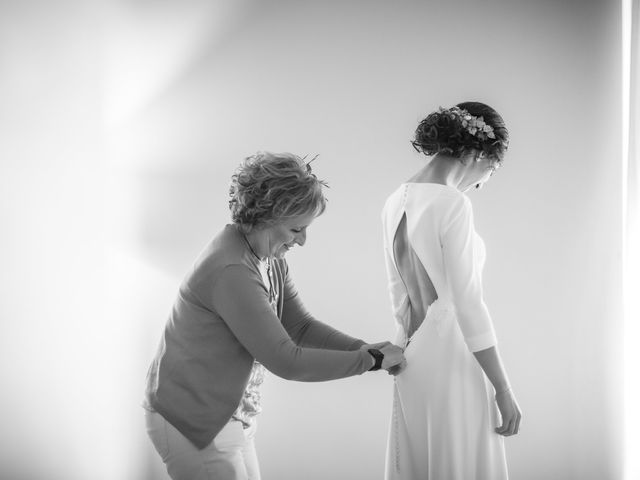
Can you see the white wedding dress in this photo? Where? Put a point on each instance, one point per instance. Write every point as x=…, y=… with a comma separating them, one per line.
x=444, y=413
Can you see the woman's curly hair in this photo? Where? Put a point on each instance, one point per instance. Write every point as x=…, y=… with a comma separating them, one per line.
x=447, y=131
x=268, y=187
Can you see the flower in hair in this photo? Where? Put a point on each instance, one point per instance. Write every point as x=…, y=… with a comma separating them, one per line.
x=455, y=130
x=476, y=126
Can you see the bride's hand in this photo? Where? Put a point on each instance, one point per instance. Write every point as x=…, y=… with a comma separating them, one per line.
x=510, y=413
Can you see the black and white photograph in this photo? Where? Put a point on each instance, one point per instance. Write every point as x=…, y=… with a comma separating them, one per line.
x=296, y=239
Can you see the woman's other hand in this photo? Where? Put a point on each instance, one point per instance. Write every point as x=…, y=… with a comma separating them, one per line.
x=377, y=346
x=510, y=412
x=394, y=361
x=396, y=369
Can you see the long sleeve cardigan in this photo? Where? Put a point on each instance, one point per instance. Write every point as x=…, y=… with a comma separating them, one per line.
x=220, y=323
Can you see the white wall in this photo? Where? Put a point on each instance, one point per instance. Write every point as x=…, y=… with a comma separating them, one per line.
x=192, y=87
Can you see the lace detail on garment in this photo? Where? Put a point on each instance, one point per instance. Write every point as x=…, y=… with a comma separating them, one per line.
x=250, y=404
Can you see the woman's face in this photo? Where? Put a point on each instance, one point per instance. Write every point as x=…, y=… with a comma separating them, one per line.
x=283, y=235
x=478, y=172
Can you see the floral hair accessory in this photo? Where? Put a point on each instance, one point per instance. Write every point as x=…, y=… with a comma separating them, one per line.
x=476, y=126
x=454, y=130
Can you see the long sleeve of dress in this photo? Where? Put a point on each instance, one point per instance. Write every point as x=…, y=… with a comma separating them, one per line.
x=460, y=256
x=305, y=330
x=241, y=300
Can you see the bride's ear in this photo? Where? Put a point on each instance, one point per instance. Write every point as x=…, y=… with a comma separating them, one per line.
x=477, y=155
x=469, y=156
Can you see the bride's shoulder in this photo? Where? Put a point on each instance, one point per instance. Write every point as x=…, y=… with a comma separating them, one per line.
x=455, y=197
x=396, y=195
x=448, y=203
x=438, y=194
x=456, y=201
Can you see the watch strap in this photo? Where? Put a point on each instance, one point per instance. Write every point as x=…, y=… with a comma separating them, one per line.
x=378, y=356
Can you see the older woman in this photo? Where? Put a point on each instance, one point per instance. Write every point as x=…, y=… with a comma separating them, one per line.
x=237, y=313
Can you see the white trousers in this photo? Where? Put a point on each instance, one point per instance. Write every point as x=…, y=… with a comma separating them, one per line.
x=230, y=456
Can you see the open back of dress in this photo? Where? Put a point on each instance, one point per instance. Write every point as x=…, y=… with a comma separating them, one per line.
x=418, y=286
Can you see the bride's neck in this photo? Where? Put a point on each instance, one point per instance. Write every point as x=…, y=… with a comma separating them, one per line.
x=440, y=169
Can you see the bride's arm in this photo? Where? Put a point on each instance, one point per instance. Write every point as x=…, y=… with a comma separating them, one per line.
x=490, y=361
x=461, y=262
x=460, y=256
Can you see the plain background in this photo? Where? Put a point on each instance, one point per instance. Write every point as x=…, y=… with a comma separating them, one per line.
x=122, y=123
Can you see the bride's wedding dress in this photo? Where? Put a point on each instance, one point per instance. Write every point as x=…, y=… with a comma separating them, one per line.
x=444, y=413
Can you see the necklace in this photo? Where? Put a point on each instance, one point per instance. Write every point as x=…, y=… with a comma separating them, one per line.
x=267, y=265
x=250, y=247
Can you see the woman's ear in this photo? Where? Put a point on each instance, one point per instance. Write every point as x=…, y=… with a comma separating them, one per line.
x=468, y=156
x=479, y=155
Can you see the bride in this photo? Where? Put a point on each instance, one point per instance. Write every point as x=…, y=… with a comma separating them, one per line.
x=453, y=404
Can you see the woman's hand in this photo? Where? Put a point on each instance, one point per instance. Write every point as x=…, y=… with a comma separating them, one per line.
x=394, y=361
x=510, y=412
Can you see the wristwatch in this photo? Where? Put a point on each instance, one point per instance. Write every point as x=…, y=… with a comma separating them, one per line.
x=378, y=356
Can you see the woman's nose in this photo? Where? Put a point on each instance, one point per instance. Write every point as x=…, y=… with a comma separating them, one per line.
x=301, y=238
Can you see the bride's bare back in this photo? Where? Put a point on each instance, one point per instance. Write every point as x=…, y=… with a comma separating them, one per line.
x=418, y=285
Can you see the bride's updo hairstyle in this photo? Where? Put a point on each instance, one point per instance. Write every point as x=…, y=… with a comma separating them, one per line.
x=458, y=130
